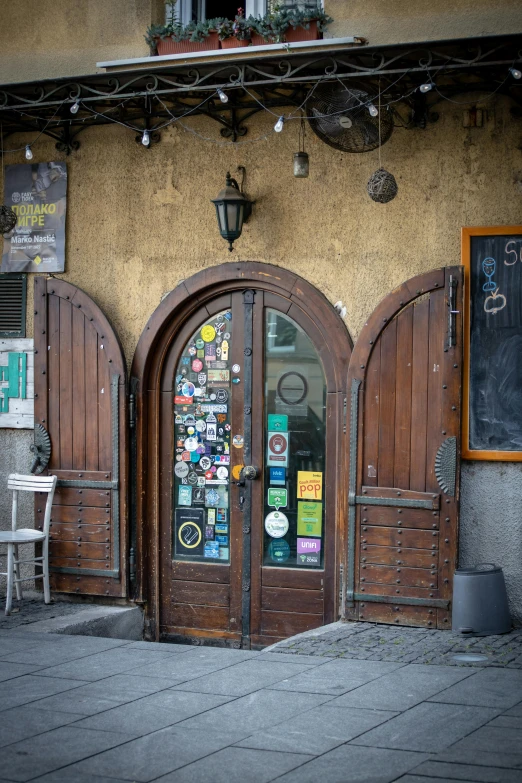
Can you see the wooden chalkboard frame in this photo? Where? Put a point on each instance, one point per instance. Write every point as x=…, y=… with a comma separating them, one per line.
x=467, y=453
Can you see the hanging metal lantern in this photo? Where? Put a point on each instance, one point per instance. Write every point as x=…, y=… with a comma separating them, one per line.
x=8, y=219
x=301, y=164
x=233, y=208
x=382, y=186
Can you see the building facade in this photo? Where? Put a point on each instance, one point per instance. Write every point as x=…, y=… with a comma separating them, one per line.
x=146, y=263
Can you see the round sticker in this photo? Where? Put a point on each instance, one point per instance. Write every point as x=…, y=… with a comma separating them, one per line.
x=189, y=535
x=227, y=427
x=197, y=365
x=205, y=463
x=181, y=469
x=192, y=350
x=279, y=551
x=222, y=473
x=188, y=389
x=190, y=430
x=208, y=333
x=194, y=456
x=238, y=441
x=199, y=343
x=192, y=478
x=236, y=368
x=201, y=425
x=191, y=444
x=200, y=449
x=213, y=468
x=236, y=471
x=221, y=395
x=227, y=335
x=276, y=524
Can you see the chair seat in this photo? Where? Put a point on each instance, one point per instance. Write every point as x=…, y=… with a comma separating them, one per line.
x=23, y=536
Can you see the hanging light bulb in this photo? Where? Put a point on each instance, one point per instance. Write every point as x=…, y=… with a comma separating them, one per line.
x=223, y=97
x=426, y=87
x=515, y=73
x=28, y=152
x=145, y=139
x=374, y=111
x=75, y=107
x=278, y=127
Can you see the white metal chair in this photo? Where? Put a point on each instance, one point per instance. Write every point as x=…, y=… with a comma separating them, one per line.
x=14, y=537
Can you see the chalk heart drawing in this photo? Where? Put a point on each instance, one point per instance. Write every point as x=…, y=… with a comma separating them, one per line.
x=498, y=302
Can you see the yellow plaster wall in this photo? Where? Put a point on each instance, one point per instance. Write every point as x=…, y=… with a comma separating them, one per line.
x=139, y=221
x=49, y=38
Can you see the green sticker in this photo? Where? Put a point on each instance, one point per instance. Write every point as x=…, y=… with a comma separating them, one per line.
x=277, y=497
x=277, y=422
x=309, y=518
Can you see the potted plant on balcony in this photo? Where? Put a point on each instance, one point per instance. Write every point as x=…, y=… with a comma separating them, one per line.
x=305, y=25
x=236, y=33
x=173, y=38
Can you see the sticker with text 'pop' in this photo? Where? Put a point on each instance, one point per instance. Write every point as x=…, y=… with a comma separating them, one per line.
x=309, y=485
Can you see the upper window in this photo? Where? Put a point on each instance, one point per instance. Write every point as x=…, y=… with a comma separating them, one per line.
x=199, y=10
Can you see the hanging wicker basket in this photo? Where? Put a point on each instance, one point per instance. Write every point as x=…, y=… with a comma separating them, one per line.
x=382, y=186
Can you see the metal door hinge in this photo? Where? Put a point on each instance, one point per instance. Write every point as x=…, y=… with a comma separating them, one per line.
x=452, y=312
x=132, y=411
x=344, y=415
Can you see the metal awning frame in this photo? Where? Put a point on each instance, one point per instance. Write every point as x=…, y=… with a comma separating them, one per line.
x=152, y=97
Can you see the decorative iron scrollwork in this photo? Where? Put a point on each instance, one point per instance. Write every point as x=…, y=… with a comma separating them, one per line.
x=446, y=465
x=41, y=449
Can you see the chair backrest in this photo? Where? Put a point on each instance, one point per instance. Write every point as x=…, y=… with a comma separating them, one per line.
x=20, y=483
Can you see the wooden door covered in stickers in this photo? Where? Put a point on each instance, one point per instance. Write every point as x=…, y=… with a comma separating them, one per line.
x=250, y=429
x=405, y=394
x=80, y=414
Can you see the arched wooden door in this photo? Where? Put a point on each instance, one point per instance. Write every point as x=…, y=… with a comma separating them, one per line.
x=405, y=395
x=80, y=400
x=240, y=445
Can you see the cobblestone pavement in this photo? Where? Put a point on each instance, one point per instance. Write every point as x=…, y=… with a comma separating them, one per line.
x=32, y=609
x=370, y=642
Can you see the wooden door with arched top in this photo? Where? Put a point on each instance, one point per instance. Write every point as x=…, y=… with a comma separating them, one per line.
x=243, y=414
x=404, y=400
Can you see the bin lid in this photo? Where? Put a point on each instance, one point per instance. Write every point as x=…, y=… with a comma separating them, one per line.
x=480, y=568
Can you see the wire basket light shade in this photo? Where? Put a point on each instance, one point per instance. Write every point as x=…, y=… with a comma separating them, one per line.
x=382, y=186
x=7, y=219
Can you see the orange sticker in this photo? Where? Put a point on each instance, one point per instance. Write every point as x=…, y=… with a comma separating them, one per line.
x=236, y=470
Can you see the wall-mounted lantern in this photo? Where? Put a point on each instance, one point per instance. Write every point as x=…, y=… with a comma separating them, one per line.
x=233, y=208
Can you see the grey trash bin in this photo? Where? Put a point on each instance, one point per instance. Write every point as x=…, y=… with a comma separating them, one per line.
x=480, y=605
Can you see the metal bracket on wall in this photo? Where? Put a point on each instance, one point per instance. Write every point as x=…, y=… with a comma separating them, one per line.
x=446, y=465
x=352, y=485
x=113, y=485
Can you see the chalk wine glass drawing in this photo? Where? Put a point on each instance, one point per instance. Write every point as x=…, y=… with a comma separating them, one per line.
x=495, y=301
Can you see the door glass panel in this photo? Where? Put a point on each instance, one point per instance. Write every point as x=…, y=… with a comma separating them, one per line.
x=295, y=429
x=202, y=406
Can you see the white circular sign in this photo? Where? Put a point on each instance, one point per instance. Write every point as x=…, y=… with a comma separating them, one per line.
x=236, y=368
x=201, y=425
x=191, y=444
x=205, y=463
x=222, y=473
x=181, y=469
x=276, y=524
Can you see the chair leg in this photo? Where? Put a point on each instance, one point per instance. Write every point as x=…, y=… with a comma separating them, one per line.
x=45, y=563
x=18, y=585
x=10, y=569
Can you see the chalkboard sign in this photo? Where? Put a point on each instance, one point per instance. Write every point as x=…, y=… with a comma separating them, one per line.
x=492, y=420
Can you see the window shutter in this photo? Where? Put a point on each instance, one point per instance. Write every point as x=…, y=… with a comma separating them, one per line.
x=13, y=289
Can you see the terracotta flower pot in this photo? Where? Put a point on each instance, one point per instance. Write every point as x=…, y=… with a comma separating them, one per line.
x=293, y=35
x=170, y=46
x=258, y=40
x=233, y=43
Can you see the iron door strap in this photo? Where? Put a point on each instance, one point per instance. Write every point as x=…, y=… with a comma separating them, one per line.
x=248, y=305
x=452, y=312
x=113, y=485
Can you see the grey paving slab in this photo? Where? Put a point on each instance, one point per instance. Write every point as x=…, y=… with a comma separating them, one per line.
x=515, y=711
x=510, y=722
x=49, y=652
x=447, y=771
x=153, y=712
x=156, y=754
x=8, y=671
x=195, y=663
x=28, y=721
x=311, y=660
x=427, y=727
x=58, y=748
x=104, y=694
x=30, y=688
x=160, y=647
x=243, y=678
x=103, y=664
x=10, y=644
x=461, y=755
x=317, y=730
x=258, y=710
x=487, y=687
x=337, y=677
x=65, y=776
x=351, y=764
x=490, y=739
x=422, y=779
x=237, y=765
x=402, y=688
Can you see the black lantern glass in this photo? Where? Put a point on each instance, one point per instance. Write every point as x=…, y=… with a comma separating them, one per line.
x=233, y=208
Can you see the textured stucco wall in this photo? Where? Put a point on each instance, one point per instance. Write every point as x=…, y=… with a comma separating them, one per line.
x=491, y=522
x=47, y=38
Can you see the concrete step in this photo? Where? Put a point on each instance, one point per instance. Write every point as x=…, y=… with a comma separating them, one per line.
x=115, y=622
